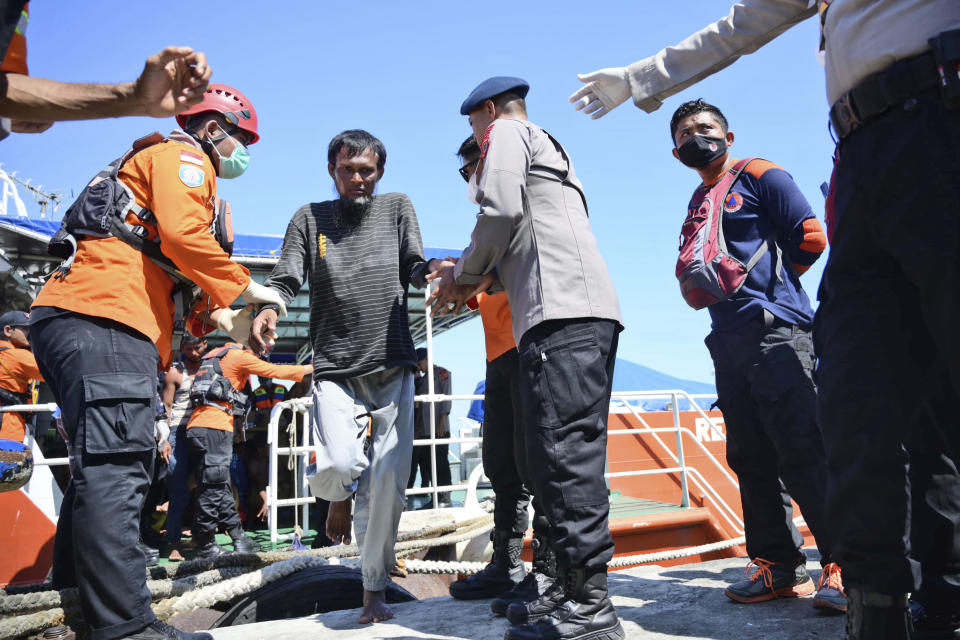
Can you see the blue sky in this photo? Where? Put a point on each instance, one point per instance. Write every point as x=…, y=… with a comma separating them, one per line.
x=401, y=70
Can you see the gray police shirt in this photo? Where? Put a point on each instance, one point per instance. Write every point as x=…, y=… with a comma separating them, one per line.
x=533, y=230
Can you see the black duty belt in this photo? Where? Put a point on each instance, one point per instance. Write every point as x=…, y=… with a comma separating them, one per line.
x=900, y=82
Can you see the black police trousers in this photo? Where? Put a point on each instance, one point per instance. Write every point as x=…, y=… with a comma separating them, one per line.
x=104, y=378
x=210, y=453
x=504, y=448
x=886, y=328
x=566, y=375
x=766, y=393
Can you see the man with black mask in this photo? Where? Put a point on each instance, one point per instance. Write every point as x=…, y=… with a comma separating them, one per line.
x=761, y=347
x=360, y=253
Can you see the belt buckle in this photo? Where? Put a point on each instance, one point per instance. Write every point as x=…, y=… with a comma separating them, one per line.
x=843, y=116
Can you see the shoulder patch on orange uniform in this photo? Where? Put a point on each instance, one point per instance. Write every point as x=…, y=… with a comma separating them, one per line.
x=191, y=175
x=760, y=166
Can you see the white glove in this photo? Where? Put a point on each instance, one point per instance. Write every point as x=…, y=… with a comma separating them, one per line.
x=606, y=90
x=236, y=323
x=259, y=294
x=161, y=430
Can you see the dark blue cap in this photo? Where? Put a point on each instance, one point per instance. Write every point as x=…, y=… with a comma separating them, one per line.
x=493, y=87
x=421, y=354
x=14, y=319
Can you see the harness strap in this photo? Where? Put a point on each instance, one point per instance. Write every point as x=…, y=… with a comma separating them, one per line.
x=769, y=243
x=565, y=174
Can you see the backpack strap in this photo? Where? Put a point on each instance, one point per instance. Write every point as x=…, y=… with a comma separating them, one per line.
x=769, y=244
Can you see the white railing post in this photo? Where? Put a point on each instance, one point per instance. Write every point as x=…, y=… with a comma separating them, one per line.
x=306, y=439
x=684, y=495
x=435, y=501
x=272, y=484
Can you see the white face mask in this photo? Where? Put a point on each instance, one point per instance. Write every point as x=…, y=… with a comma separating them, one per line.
x=472, y=189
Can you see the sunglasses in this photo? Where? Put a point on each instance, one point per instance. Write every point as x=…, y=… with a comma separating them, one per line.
x=465, y=169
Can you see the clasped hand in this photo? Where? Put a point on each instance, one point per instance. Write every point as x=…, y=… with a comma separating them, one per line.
x=447, y=295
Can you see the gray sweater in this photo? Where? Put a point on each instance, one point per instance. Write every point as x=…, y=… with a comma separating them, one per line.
x=358, y=284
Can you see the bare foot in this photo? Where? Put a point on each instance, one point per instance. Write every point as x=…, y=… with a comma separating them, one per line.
x=375, y=608
x=339, y=521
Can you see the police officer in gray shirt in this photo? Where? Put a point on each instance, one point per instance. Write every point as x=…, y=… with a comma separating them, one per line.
x=533, y=236
x=885, y=331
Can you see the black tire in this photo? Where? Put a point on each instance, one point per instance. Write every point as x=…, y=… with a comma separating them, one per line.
x=304, y=593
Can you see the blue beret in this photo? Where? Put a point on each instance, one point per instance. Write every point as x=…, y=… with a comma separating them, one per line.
x=421, y=354
x=493, y=87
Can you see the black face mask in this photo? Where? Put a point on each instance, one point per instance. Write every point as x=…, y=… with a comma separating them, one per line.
x=700, y=151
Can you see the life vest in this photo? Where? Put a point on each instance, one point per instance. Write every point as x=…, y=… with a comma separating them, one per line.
x=707, y=272
x=100, y=211
x=268, y=398
x=211, y=387
x=262, y=399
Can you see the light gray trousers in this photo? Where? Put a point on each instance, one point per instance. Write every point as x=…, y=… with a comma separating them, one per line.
x=344, y=412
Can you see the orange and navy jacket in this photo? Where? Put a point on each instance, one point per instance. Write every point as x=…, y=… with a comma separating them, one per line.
x=497, y=323
x=17, y=368
x=110, y=279
x=237, y=367
x=13, y=37
x=765, y=202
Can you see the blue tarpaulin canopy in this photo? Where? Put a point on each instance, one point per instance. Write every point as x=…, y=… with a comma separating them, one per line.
x=630, y=376
x=245, y=245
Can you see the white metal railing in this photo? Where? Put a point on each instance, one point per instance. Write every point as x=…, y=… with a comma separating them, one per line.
x=619, y=401
x=625, y=398
x=302, y=418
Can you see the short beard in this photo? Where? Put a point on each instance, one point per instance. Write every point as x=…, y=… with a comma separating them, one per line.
x=350, y=212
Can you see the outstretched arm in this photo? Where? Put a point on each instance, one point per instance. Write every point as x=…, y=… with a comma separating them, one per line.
x=172, y=81
x=749, y=25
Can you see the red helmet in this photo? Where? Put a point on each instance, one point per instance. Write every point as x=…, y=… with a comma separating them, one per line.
x=231, y=103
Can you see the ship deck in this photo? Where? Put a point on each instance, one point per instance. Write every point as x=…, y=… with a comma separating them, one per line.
x=653, y=602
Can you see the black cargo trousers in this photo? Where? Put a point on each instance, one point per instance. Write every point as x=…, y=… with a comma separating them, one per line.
x=769, y=402
x=886, y=329
x=505, y=448
x=104, y=377
x=211, y=451
x=566, y=376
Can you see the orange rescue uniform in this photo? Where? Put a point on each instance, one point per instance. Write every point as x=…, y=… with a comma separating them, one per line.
x=497, y=323
x=17, y=368
x=237, y=367
x=110, y=279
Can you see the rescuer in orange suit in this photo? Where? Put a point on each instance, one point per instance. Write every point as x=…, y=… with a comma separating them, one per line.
x=103, y=326
x=17, y=368
x=210, y=440
x=171, y=81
